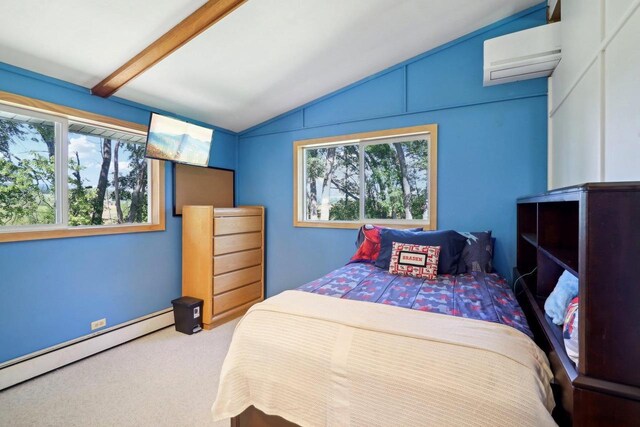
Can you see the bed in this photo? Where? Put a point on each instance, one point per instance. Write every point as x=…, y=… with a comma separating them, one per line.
x=360, y=346
x=482, y=296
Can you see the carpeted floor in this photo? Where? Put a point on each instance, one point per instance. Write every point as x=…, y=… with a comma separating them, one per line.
x=163, y=379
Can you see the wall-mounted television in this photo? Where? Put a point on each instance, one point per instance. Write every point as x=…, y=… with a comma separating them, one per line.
x=178, y=141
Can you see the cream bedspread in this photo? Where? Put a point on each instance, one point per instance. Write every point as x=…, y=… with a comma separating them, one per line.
x=316, y=360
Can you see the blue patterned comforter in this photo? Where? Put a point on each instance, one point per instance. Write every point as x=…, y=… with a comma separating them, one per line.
x=476, y=295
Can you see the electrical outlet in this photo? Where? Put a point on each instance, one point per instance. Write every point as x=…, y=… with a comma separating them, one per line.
x=98, y=324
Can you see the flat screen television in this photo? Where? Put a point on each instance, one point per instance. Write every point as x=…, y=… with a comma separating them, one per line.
x=178, y=141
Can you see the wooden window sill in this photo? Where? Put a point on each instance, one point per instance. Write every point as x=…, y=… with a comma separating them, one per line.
x=60, y=233
x=358, y=224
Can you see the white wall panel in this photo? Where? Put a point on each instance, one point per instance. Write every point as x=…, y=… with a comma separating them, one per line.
x=581, y=35
x=561, y=79
x=622, y=104
x=614, y=10
x=575, y=135
x=594, y=124
x=581, y=24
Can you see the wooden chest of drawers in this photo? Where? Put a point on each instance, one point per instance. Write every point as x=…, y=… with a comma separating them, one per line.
x=223, y=259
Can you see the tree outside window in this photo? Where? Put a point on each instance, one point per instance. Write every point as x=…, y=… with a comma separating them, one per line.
x=108, y=181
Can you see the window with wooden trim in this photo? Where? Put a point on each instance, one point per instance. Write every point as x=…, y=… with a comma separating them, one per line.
x=61, y=176
x=384, y=177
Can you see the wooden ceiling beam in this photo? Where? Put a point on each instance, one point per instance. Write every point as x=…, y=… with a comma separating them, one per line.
x=200, y=20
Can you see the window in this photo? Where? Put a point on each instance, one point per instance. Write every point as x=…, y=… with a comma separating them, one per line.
x=61, y=176
x=386, y=177
x=28, y=154
x=107, y=177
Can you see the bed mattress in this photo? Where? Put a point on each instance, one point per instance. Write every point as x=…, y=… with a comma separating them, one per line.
x=320, y=361
x=481, y=296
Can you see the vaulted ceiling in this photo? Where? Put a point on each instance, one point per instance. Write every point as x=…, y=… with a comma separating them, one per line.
x=261, y=60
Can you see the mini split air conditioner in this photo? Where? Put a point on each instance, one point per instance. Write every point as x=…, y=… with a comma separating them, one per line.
x=527, y=54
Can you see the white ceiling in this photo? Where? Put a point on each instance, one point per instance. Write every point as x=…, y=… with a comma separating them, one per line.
x=82, y=42
x=264, y=59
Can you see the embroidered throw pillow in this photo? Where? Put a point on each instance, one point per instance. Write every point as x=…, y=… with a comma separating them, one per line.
x=451, y=244
x=414, y=260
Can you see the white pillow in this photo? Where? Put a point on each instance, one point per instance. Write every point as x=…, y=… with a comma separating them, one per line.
x=556, y=304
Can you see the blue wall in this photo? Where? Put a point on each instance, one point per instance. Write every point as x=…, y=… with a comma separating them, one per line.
x=492, y=148
x=51, y=290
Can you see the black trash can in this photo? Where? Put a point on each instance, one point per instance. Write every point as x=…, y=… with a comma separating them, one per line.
x=187, y=312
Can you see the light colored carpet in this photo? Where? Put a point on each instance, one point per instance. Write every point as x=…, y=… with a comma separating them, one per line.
x=163, y=379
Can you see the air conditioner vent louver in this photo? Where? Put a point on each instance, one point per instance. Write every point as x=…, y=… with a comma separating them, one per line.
x=527, y=54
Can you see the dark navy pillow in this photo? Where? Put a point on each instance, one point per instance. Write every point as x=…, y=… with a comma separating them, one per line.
x=360, y=237
x=477, y=255
x=451, y=244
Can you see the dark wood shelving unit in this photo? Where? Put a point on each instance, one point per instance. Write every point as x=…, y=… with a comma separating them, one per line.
x=593, y=231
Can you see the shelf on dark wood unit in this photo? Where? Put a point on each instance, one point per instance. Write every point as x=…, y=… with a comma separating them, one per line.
x=552, y=328
x=565, y=257
x=553, y=332
x=531, y=238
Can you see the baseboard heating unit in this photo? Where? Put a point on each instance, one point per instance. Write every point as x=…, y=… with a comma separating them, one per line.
x=23, y=368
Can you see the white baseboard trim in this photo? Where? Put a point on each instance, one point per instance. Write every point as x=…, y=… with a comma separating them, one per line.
x=30, y=366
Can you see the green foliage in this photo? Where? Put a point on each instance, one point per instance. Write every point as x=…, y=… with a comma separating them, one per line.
x=9, y=130
x=133, y=192
x=344, y=210
x=315, y=164
x=81, y=207
x=395, y=177
x=80, y=198
x=315, y=169
x=26, y=191
x=383, y=180
x=134, y=185
x=47, y=134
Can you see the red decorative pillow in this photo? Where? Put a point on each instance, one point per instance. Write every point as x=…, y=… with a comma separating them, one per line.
x=370, y=247
x=414, y=260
